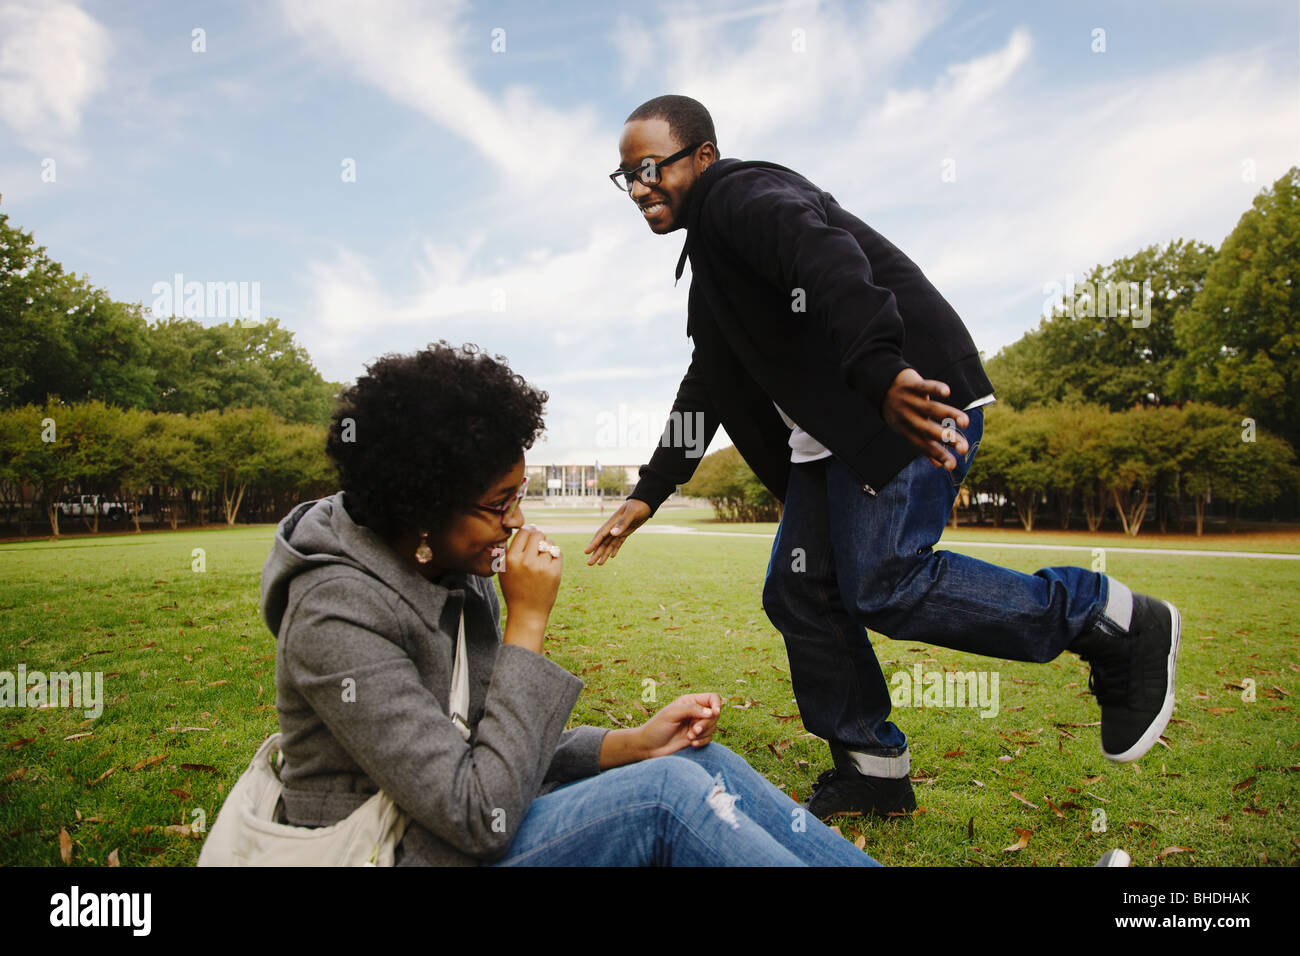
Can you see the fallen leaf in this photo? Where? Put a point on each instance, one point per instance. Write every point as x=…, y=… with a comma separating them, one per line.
x=1055, y=808
x=1023, y=800
x=184, y=795
x=79, y=736
x=1220, y=710
x=91, y=783
x=861, y=843
x=1174, y=849
x=65, y=846
x=955, y=753
x=20, y=743
x=16, y=775
x=198, y=766
x=1021, y=843
x=149, y=762
x=112, y=859
x=1244, y=784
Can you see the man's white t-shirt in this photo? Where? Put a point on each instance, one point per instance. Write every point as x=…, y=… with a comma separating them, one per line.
x=803, y=447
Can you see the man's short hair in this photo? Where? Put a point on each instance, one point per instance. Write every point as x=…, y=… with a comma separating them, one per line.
x=688, y=120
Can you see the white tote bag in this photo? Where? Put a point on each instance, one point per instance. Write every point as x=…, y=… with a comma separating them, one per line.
x=245, y=832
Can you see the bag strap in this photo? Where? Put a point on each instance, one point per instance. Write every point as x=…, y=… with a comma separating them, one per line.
x=460, y=683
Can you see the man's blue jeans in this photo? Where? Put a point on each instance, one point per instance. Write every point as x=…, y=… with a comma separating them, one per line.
x=844, y=561
x=697, y=807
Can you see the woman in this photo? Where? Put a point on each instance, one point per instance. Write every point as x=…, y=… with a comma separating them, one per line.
x=366, y=592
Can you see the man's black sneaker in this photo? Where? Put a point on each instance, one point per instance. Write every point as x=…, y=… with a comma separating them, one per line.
x=843, y=789
x=1133, y=676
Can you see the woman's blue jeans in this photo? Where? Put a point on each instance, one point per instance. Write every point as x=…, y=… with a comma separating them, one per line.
x=844, y=561
x=697, y=807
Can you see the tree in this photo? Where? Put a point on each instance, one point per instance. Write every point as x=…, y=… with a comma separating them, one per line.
x=98, y=450
x=236, y=366
x=1240, y=338
x=612, y=482
x=1077, y=460
x=1143, y=445
x=41, y=456
x=63, y=336
x=236, y=446
x=1029, y=472
x=990, y=470
x=732, y=488
x=1089, y=349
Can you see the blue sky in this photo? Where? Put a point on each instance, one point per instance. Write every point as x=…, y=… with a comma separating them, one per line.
x=481, y=210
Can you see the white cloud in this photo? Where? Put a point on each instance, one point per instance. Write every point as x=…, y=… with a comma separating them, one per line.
x=415, y=53
x=52, y=61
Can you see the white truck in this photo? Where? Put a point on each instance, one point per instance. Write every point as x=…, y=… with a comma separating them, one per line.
x=83, y=506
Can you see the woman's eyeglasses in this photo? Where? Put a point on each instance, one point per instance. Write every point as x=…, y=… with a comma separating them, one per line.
x=511, y=507
x=648, y=171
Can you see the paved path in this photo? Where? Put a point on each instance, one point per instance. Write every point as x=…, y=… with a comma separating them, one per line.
x=560, y=527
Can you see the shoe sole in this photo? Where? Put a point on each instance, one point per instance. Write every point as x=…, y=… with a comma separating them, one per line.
x=1157, y=726
x=1114, y=858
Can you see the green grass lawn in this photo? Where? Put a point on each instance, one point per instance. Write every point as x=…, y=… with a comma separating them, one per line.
x=189, y=686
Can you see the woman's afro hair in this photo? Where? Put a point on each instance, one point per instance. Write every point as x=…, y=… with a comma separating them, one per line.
x=420, y=437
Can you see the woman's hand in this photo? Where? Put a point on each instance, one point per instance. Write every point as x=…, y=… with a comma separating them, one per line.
x=529, y=583
x=689, y=721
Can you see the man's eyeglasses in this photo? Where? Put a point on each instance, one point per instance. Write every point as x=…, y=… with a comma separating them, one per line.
x=511, y=507
x=648, y=171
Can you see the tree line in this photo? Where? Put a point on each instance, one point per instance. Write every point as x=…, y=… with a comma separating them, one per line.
x=181, y=467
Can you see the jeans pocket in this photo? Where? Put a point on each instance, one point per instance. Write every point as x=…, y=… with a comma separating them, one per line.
x=958, y=474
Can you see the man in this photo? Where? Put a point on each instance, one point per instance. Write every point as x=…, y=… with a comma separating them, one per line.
x=854, y=391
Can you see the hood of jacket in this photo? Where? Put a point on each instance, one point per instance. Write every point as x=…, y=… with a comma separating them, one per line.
x=708, y=179
x=321, y=533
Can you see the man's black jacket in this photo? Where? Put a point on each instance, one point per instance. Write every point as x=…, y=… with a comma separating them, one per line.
x=795, y=301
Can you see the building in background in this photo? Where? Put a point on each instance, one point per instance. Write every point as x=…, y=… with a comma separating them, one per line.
x=583, y=485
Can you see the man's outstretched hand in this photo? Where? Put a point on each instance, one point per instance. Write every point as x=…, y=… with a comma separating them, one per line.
x=606, y=542
x=909, y=410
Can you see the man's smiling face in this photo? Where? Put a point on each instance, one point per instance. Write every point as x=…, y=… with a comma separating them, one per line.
x=663, y=204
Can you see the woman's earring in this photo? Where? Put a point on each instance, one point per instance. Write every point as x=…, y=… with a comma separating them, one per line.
x=423, y=554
